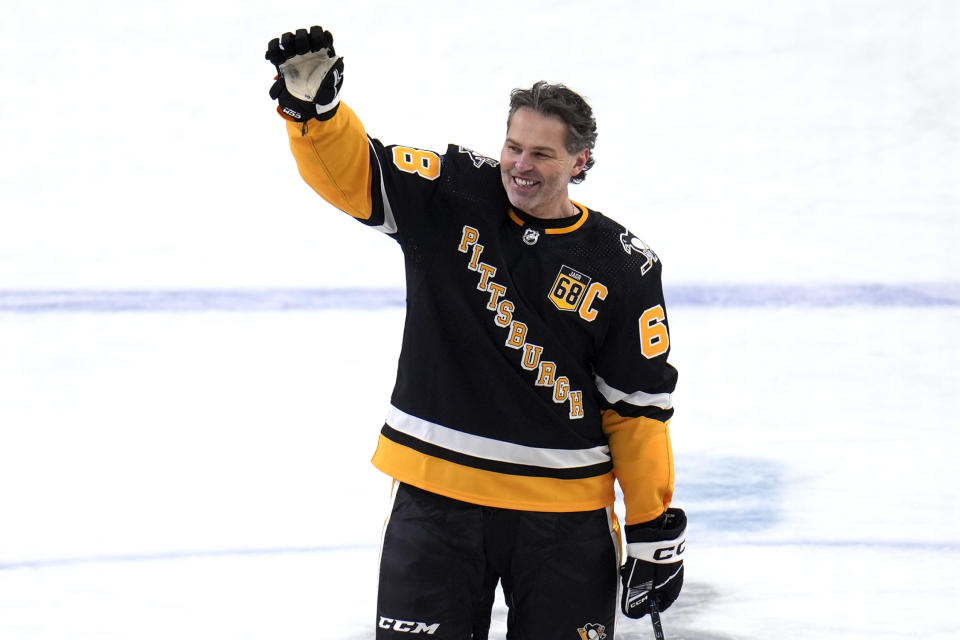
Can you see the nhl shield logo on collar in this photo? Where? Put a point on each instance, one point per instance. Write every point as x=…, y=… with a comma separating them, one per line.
x=530, y=236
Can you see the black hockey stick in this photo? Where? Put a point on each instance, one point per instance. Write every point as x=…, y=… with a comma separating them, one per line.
x=655, y=619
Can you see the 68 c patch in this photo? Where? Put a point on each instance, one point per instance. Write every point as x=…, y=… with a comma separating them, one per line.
x=568, y=289
x=576, y=291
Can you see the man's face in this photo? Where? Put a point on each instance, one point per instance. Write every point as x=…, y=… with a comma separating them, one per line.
x=535, y=165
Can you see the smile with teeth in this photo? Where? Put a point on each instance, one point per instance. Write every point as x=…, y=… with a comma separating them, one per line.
x=521, y=182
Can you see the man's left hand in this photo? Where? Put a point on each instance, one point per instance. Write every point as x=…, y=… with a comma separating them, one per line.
x=654, y=566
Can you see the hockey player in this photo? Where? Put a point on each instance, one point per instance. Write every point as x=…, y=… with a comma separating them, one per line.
x=533, y=370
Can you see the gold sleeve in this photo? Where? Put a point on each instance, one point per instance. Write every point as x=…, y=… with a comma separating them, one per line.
x=642, y=463
x=334, y=159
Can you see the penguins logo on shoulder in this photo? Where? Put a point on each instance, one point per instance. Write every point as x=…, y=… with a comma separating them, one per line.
x=632, y=244
x=477, y=159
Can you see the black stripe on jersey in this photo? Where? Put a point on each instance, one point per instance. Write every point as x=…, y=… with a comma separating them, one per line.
x=486, y=464
x=628, y=410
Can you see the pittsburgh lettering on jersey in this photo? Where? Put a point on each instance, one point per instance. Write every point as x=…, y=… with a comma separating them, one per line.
x=531, y=355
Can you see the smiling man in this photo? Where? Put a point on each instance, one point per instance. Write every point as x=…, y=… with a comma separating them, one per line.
x=533, y=373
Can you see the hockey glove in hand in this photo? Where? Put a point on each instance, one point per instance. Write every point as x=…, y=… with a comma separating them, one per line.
x=654, y=566
x=309, y=74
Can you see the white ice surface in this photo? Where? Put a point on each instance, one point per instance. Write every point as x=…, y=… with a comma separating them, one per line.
x=206, y=474
x=170, y=475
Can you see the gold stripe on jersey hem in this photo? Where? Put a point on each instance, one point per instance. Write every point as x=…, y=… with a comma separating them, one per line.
x=491, y=488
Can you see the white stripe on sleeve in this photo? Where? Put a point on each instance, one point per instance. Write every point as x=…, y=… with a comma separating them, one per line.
x=637, y=398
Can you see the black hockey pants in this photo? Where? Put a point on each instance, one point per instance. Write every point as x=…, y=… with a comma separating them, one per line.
x=442, y=558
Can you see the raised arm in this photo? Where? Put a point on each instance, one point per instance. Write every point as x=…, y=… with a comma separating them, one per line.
x=375, y=184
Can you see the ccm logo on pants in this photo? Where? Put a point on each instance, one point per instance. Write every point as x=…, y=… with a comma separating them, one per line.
x=405, y=626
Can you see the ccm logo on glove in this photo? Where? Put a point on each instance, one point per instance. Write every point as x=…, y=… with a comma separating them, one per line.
x=656, y=552
x=670, y=553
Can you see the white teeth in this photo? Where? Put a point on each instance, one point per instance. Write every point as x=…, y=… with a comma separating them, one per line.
x=522, y=182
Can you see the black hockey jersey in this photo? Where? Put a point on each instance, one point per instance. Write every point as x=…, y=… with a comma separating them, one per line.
x=533, y=369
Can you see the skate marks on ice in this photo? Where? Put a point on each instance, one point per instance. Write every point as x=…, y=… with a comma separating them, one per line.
x=729, y=494
x=680, y=620
x=723, y=496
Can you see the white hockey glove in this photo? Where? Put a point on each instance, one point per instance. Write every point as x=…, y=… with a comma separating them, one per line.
x=654, y=566
x=309, y=74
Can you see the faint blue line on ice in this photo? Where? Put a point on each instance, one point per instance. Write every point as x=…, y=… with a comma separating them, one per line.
x=933, y=294
x=867, y=294
x=888, y=545
x=193, y=300
x=172, y=556
x=179, y=555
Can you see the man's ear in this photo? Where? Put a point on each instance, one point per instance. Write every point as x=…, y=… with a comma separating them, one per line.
x=582, y=157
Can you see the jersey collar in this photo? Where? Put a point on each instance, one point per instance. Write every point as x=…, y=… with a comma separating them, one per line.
x=551, y=225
